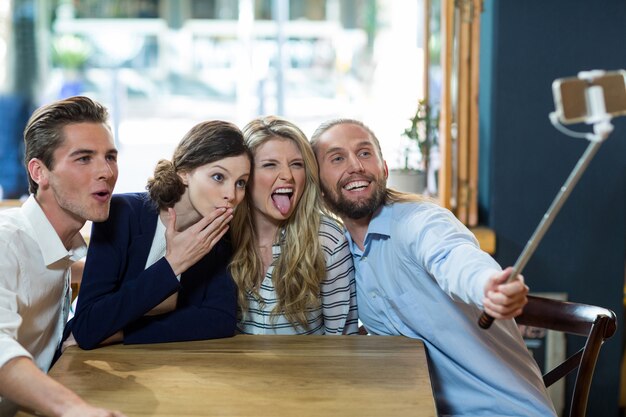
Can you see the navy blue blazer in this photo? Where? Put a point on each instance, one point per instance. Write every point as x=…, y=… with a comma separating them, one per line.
x=116, y=291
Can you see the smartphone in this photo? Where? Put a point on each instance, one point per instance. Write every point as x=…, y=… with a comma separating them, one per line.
x=570, y=96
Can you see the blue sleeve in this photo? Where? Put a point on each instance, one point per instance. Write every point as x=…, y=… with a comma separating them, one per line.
x=449, y=253
x=206, y=308
x=116, y=290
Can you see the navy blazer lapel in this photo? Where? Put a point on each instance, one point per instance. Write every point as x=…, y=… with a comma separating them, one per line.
x=148, y=219
x=142, y=242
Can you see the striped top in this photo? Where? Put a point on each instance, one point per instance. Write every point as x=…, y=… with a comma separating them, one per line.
x=337, y=313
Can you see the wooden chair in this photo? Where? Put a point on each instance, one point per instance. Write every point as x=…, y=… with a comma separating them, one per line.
x=595, y=323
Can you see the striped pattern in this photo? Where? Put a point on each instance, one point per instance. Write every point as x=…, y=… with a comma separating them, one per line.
x=337, y=313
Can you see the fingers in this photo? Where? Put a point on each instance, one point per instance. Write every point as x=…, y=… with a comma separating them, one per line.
x=202, y=232
x=499, y=278
x=221, y=234
x=219, y=221
x=170, y=227
x=509, y=295
x=215, y=229
x=86, y=410
x=215, y=219
x=107, y=413
x=186, y=247
x=503, y=310
x=505, y=299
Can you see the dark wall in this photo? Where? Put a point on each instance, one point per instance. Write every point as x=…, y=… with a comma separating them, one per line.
x=525, y=45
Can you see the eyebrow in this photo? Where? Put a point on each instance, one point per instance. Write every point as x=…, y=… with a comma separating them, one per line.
x=333, y=149
x=359, y=145
x=82, y=152
x=365, y=143
x=91, y=152
x=277, y=161
x=223, y=168
x=245, y=174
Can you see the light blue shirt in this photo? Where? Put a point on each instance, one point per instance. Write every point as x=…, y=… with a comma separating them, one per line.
x=422, y=275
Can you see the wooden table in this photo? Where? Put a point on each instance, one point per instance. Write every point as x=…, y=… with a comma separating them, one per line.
x=255, y=376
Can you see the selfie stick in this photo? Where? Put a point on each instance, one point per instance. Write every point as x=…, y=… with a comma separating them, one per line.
x=602, y=128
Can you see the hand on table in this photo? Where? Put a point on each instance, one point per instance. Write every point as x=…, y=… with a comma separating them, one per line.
x=86, y=410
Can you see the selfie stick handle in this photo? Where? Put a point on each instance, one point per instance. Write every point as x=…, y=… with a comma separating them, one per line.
x=602, y=127
x=485, y=319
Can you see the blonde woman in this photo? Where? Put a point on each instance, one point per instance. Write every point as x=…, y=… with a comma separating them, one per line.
x=292, y=264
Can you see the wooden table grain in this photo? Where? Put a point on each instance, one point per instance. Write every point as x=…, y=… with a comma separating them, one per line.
x=274, y=376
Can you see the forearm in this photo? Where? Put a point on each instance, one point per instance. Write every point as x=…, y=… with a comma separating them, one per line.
x=450, y=254
x=464, y=274
x=169, y=304
x=188, y=323
x=25, y=384
x=105, y=308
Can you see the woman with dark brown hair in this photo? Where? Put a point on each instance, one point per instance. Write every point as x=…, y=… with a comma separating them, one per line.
x=157, y=269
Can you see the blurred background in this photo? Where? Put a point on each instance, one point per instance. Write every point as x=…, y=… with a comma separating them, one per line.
x=413, y=70
x=161, y=66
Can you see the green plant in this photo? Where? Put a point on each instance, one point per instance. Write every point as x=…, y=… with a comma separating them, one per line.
x=70, y=52
x=423, y=131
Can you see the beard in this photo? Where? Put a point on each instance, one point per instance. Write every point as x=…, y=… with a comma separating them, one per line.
x=355, y=210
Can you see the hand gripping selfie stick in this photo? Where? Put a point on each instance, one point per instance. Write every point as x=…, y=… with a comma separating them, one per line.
x=602, y=127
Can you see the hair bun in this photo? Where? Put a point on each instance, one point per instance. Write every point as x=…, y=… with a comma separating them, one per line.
x=165, y=187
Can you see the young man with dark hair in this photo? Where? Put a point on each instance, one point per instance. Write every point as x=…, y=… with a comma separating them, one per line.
x=71, y=161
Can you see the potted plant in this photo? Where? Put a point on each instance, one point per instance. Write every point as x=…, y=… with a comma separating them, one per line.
x=70, y=53
x=422, y=134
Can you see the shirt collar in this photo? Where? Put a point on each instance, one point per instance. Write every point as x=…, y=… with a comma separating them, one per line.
x=380, y=224
x=52, y=249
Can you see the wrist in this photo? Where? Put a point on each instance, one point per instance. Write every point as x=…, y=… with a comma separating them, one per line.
x=61, y=405
x=483, y=284
x=176, y=267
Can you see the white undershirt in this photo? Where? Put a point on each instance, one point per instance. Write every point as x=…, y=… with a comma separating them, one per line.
x=157, y=250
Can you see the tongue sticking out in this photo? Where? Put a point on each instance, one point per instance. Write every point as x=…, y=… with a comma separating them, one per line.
x=282, y=203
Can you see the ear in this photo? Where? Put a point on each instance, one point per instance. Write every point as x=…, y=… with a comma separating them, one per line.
x=38, y=172
x=184, y=177
x=386, y=169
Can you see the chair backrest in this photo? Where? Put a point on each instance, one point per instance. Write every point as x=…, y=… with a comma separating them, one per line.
x=595, y=323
